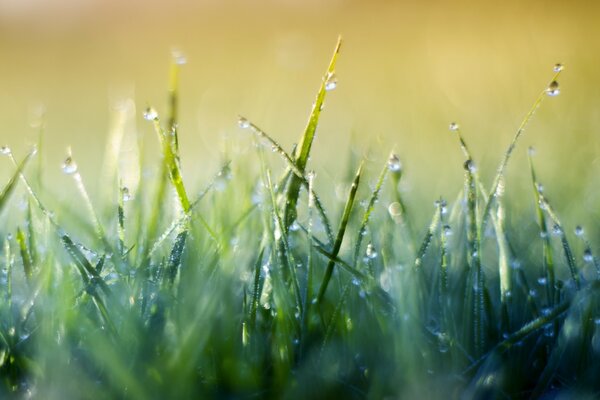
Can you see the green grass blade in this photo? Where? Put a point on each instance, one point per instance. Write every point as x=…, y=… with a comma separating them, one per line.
x=511, y=147
x=559, y=231
x=171, y=164
x=548, y=256
x=12, y=183
x=294, y=171
x=340, y=235
x=433, y=225
x=174, y=262
x=25, y=254
x=367, y=214
x=304, y=147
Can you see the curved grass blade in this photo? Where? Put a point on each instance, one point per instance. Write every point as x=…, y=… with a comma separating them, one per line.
x=502, y=167
x=304, y=147
x=435, y=221
x=522, y=333
x=559, y=230
x=12, y=182
x=340, y=235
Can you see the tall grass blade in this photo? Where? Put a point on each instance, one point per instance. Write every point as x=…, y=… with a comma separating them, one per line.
x=511, y=147
x=293, y=171
x=12, y=182
x=367, y=215
x=25, y=254
x=340, y=234
x=304, y=147
x=548, y=256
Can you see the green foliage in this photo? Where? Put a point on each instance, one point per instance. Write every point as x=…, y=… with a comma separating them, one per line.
x=215, y=297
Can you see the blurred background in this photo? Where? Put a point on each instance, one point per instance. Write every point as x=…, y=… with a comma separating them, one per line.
x=407, y=69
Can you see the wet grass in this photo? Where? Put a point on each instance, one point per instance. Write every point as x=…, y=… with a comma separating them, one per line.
x=242, y=293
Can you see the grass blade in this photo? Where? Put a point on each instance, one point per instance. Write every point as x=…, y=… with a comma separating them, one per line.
x=548, y=256
x=340, y=235
x=304, y=147
x=511, y=147
x=11, y=184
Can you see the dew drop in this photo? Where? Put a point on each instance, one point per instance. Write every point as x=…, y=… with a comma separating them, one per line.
x=454, y=127
x=558, y=67
x=579, y=230
x=533, y=293
x=470, y=166
x=447, y=230
x=553, y=89
x=557, y=230
x=531, y=151
x=330, y=82
x=5, y=150
x=542, y=281
x=125, y=194
x=394, y=164
x=178, y=57
x=294, y=226
x=355, y=281
x=243, y=123
x=546, y=311
x=395, y=209
x=69, y=166
x=443, y=342
x=150, y=114
x=587, y=255
x=371, y=253
x=11, y=331
x=539, y=187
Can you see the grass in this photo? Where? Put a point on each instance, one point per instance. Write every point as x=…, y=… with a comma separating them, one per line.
x=236, y=293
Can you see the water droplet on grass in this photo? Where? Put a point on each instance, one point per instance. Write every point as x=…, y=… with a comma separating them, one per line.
x=558, y=67
x=454, y=127
x=330, y=82
x=542, y=281
x=5, y=150
x=355, y=281
x=447, y=230
x=69, y=166
x=178, y=57
x=553, y=89
x=394, y=163
x=470, y=166
x=579, y=231
x=371, y=253
x=150, y=114
x=443, y=342
x=125, y=194
x=587, y=255
x=557, y=230
x=294, y=226
x=243, y=123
